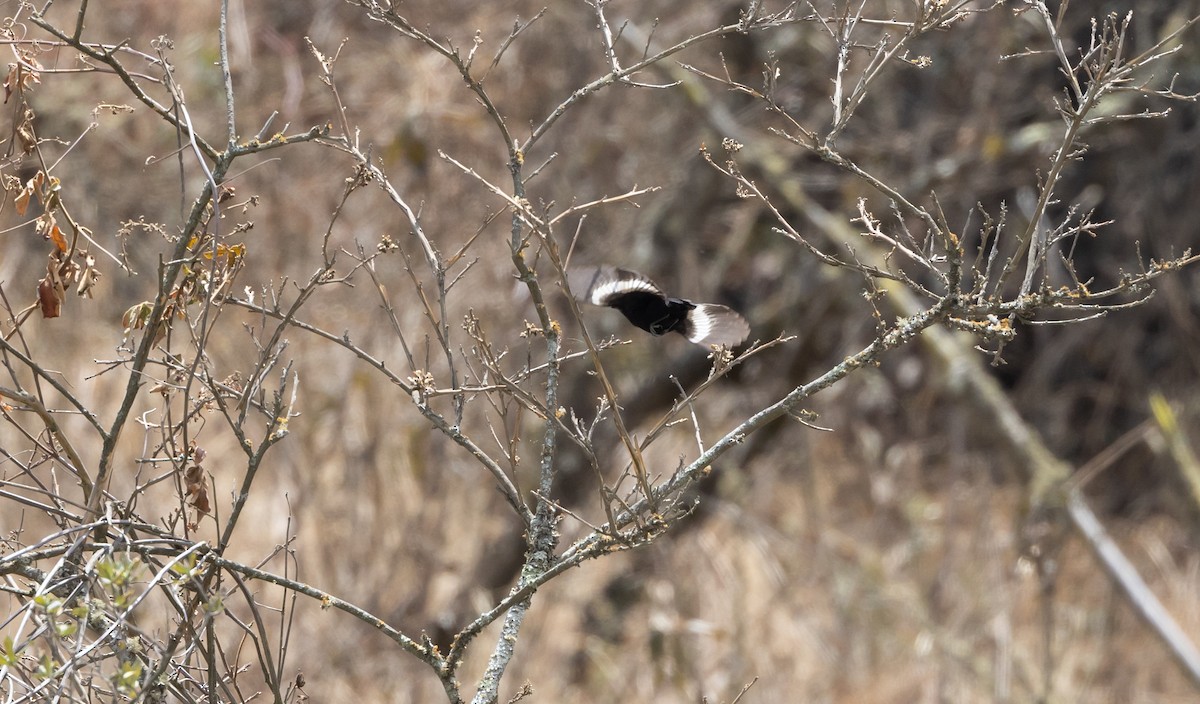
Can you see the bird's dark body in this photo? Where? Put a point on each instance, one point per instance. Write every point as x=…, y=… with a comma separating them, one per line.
x=654, y=313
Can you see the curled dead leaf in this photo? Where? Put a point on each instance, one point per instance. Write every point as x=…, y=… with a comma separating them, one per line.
x=56, y=236
x=200, y=502
x=196, y=490
x=136, y=317
x=47, y=227
x=10, y=80
x=50, y=298
x=22, y=201
x=27, y=137
x=23, y=75
x=87, y=277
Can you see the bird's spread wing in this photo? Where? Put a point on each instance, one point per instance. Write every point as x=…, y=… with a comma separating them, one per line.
x=712, y=324
x=601, y=285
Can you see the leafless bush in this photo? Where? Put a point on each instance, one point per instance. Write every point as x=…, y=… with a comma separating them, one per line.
x=126, y=569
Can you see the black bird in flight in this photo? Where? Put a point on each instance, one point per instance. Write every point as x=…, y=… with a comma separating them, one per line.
x=646, y=306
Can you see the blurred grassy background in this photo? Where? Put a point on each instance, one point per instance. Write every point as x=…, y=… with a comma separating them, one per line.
x=876, y=563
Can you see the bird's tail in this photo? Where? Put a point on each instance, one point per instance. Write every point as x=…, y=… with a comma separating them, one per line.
x=712, y=324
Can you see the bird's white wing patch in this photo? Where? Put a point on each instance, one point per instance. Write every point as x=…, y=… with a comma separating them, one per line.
x=604, y=291
x=600, y=285
x=712, y=324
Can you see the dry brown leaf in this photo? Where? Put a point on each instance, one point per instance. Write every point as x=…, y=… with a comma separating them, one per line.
x=10, y=80
x=22, y=201
x=88, y=277
x=48, y=227
x=196, y=490
x=26, y=76
x=27, y=136
x=50, y=297
x=32, y=186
